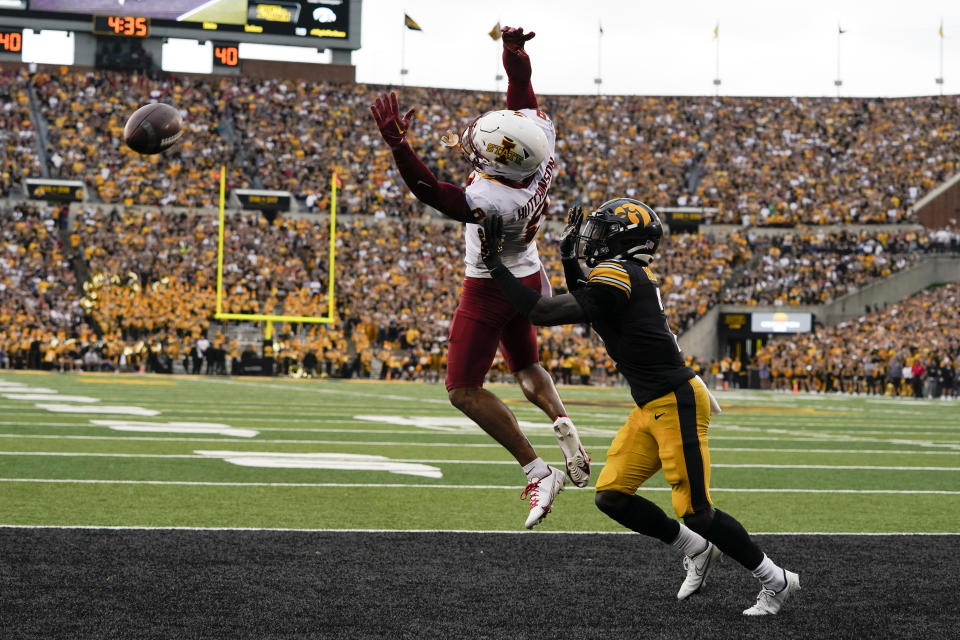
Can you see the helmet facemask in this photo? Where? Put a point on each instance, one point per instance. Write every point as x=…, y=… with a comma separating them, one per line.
x=592, y=243
x=620, y=228
x=468, y=147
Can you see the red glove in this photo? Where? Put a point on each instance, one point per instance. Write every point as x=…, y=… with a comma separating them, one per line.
x=392, y=127
x=514, y=38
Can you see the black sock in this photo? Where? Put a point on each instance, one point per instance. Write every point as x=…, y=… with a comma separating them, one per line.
x=728, y=534
x=643, y=516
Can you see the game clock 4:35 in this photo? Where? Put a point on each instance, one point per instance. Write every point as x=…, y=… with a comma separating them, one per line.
x=126, y=26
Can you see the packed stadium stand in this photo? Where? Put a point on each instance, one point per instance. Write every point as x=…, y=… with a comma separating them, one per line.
x=805, y=201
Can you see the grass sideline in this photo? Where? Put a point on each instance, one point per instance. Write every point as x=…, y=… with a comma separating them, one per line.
x=782, y=462
x=352, y=563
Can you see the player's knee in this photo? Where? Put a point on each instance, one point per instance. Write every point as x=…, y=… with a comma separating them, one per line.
x=533, y=380
x=700, y=521
x=611, y=503
x=461, y=397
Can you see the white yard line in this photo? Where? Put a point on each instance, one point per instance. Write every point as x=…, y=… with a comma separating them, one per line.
x=810, y=436
x=233, y=440
x=18, y=436
x=513, y=532
x=924, y=452
x=21, y=423
x=341, y=391
x=82, y=454
x=842, y=467
x=323, y=485
x=301, y=429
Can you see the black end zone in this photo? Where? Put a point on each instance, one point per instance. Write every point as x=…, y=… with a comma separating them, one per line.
x=62, y=583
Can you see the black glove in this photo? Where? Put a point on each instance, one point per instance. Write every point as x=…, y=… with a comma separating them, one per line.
x=571, y=233
x=491, y=240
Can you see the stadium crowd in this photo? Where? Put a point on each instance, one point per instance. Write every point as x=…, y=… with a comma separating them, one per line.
x=150, y=294
x=762, y=162
x=911, y=348
x=41, y=320
x=18, y=135
x=816, y=267
x=146, y=293
x=756, y=161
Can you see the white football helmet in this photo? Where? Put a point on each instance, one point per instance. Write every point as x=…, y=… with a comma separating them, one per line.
x=506, y=144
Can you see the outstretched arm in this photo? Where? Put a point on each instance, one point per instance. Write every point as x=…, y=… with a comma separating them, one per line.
x=516, y=62
x=446, y=198
x=562, y=309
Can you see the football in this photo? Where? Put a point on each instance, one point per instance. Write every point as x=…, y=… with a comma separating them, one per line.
x=153, y=128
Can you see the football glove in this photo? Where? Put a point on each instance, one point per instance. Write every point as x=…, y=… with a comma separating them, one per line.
x=514, y=38
x=568, y=240
x=491, y=240
x=393, y=128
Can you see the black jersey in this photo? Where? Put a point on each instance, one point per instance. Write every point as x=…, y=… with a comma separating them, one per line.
x=622, y=302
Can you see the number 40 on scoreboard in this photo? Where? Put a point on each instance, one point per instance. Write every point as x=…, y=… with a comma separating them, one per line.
x=11, y=41
x=226, y=55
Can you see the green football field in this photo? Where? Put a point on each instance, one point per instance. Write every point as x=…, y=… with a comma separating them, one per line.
x=151, y=451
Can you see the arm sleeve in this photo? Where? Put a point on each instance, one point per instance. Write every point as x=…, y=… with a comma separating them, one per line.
x=573, y=274
x=522, y=297
x=540, y=311
x=446, y=198
x=520, y=93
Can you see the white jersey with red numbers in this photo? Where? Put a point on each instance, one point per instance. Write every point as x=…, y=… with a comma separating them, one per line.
x=522, y=208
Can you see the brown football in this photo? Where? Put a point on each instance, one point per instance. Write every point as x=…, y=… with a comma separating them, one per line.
x=153, y=128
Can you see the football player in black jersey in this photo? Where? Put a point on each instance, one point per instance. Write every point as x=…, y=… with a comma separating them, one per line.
x=668, y=428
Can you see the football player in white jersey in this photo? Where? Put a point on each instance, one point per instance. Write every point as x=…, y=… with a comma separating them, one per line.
x=512, y=154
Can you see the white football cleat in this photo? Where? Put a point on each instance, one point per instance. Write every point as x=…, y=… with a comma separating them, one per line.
x=542, y=493
x=576, y=458
x=770, y=601
x=698, y=568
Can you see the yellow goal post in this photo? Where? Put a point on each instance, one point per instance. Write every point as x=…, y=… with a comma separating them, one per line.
x=267, y=317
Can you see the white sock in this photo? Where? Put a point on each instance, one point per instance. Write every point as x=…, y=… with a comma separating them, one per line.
x=689, y=542
x=536, y=469
x=770, y=575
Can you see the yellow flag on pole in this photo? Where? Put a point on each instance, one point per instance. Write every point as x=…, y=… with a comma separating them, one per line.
x=716, y=31
x=495, y=32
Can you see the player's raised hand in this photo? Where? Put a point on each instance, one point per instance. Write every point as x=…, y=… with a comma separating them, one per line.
x=386, y=111
x=491, y=240
x=514, y=38
x=571, y=233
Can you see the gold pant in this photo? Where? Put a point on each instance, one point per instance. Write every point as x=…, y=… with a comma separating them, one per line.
x=669, y=432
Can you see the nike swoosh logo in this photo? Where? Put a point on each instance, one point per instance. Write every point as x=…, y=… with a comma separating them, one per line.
x=657, y=416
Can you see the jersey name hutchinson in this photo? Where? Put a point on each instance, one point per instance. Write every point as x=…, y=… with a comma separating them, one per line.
x=533, y=204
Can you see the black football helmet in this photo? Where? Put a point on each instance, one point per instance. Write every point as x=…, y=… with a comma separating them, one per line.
x=620, y=228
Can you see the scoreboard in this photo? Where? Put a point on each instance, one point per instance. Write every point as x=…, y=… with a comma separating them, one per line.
x=133, y=26
x=307, y=23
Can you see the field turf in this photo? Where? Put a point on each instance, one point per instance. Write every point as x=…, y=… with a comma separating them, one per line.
x=146, y=506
